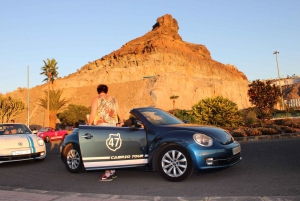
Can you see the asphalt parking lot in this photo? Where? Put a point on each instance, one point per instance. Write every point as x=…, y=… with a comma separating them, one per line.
x=17, y=193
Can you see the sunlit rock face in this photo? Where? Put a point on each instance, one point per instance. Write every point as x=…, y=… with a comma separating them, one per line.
x=148, y=70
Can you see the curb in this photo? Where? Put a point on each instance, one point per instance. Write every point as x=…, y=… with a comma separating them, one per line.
x=16, y=194
x=267, y=137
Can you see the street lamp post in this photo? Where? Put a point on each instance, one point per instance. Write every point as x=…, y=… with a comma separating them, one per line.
x=282, y=102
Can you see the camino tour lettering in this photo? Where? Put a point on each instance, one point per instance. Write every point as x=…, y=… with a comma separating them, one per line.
x=114, y=142
x=127, y=156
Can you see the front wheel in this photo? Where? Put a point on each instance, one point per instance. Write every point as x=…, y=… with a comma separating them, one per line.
x=72, y=158
x=174, y=163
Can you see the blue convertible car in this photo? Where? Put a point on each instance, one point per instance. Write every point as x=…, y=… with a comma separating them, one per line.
x=151, y=138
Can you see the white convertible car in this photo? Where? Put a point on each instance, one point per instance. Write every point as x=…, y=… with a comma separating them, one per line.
x=17, y=143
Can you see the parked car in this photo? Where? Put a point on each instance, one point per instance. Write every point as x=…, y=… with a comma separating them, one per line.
x=17, y=143
x=152, y=138
x=48, y=134
x=34, y=131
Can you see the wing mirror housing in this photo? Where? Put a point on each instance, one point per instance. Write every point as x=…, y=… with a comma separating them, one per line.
x=136, y=123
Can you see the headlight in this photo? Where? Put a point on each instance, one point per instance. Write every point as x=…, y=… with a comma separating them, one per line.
x=203, y=140
x=40, y=142
x=41, y=135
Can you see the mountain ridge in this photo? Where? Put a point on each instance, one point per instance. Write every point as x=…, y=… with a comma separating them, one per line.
x=146, y=71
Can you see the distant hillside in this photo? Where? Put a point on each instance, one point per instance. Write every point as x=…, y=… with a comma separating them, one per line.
x=291, y=91
x=146, y=71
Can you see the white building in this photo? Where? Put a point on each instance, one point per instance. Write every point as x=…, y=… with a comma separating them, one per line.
x=293, y=102
x=286, y=81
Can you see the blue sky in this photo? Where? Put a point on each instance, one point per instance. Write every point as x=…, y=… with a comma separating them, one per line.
x=242, y=33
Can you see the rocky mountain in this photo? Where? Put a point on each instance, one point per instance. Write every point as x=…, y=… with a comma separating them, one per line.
x=146, y=71
x=291, y=91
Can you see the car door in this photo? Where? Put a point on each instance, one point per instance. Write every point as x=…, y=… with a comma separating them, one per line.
x=105, y=147
x=54, y=133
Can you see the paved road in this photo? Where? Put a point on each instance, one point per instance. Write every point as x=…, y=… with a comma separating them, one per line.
x=270, y=170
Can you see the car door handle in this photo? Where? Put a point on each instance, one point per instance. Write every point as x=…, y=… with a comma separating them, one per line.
x=87, y=136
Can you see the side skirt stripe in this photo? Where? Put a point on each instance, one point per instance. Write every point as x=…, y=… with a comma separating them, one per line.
x=115, y=163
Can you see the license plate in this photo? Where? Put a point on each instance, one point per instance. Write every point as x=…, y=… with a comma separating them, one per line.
x=21, y=152
x=236, y=150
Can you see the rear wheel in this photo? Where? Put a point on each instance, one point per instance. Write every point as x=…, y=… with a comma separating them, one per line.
x=174, y=163
x=72, y=158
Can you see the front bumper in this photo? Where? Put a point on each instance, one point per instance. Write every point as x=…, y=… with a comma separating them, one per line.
x=217, y=156
x=14, y=158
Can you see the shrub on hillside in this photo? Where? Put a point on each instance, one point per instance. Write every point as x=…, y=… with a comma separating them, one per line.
x=238, y=132
x=288, y=129
x=295, y=123
x=268, y=131
x=253, y=132
x=275, y=127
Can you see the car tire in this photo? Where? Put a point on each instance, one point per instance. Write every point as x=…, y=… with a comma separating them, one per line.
x=174, y=163
x=72, y=158
x=47, y=139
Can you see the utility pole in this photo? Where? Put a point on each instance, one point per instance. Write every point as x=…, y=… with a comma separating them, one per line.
x=48, y=100
x=28, y=96
x=282, y=102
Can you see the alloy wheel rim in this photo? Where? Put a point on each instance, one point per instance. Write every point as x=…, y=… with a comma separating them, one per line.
x=73, y=159
x=174, y=163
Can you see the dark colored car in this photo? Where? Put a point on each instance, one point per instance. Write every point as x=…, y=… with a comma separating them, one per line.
x=153, y=138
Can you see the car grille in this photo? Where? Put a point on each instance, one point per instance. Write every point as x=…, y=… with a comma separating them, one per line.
x=19, y=157
x=227, y=161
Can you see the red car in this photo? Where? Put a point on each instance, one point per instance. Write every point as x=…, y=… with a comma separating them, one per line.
x=48, y=134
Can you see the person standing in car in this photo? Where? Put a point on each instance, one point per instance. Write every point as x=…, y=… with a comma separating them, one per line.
x=105, y=111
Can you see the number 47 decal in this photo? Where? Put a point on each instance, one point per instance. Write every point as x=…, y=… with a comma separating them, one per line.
x=114, y=142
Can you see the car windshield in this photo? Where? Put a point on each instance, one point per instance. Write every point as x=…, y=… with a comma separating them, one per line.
x=44, y=129
x=159, y=117
x=11, y=129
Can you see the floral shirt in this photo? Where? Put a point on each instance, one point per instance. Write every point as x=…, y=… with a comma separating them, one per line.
x=106, y=112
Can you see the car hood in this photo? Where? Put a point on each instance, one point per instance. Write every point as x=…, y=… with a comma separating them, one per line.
x=216, y=133
x=18, y=141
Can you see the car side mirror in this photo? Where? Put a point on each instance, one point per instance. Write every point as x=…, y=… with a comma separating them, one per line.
x=136, y=123
x=185, y=121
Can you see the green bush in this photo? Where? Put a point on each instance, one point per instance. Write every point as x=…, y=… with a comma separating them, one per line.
x=249, y=116
x=282, y=115
x=217, y=111
x=184, y=115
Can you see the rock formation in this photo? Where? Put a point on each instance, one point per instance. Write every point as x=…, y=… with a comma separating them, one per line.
x=146, y=71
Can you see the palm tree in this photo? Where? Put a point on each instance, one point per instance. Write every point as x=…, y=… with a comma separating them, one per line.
x=56, y=104
x=173, y=97
x=50, y=71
